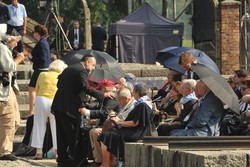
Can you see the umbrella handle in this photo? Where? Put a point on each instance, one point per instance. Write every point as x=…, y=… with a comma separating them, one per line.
x=101, y=65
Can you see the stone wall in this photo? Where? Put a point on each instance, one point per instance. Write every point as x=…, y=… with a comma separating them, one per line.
x=142, y=155
x=230, y=36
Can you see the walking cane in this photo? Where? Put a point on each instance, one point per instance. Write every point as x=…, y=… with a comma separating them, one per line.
x=79, y=165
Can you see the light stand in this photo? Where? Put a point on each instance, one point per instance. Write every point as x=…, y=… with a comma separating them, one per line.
x=52, y=13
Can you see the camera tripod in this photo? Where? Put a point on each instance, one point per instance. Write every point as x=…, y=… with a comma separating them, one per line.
x=52, y=14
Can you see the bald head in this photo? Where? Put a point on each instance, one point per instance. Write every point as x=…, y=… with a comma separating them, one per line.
x=124, y=96
x=201, y=89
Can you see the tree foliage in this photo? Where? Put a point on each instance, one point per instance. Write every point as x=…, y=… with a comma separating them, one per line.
x=105, y=12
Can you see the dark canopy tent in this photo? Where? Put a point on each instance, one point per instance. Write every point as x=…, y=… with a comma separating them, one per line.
x=142, y=34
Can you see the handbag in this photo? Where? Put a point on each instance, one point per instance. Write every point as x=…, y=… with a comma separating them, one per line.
x=151, y=130
x=107, y=125
x=244, y=121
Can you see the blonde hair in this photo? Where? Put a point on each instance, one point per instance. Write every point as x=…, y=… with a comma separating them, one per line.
x=185, y=57
x=10, y=38
x=58, y=66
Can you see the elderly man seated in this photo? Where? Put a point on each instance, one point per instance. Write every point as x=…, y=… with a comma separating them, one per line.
x=126, y=103
x=206, y=119
x=184, y=109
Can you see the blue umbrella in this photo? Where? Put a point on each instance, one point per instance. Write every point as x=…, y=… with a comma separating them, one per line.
x=169, y=57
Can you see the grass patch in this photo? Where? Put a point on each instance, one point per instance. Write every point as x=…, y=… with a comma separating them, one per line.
x=187, y=43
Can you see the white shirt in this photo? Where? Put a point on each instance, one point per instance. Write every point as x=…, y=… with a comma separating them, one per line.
x=76, y=40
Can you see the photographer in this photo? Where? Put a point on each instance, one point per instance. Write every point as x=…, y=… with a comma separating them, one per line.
x=9, y=113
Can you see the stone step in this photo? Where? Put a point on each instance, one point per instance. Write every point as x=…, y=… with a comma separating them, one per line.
x=23, y=84
x=23, y=108
x=17, y=141
x=23, y=97
x=24, y=71
x=22, y=128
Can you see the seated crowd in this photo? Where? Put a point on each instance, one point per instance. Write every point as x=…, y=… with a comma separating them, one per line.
x=182, y=107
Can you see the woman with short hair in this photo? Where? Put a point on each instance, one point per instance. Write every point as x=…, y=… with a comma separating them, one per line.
x=132, y=129
x=46, y=88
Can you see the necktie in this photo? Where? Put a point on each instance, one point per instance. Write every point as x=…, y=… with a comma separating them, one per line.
x=75, y=35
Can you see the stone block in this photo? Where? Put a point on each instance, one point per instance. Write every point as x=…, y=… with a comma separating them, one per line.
x=23, y=98
x=132, y=154
x=137, y=73
x=23, y=85
x=154, y=72
x=24, y=74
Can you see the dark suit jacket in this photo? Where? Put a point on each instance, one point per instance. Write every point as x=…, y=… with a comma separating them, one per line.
x=71, y=37
x=107, y=105
x=41, y=55
x=98, y=37
x=4, y=14
x=72, y=90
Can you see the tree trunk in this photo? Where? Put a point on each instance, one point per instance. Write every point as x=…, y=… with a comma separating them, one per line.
x=164, y=8
x=87, y=21
x=174, y=9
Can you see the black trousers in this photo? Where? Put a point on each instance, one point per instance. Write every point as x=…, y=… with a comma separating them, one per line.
x=165, y=129
x=69, y=141
x=19, y=29
x=29, y=127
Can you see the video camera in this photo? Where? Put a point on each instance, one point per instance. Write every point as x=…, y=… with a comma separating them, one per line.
x=5, y=79
x=46, y=5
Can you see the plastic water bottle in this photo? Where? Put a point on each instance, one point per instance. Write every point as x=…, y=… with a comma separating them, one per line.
x=82, y=121
x=120, y=164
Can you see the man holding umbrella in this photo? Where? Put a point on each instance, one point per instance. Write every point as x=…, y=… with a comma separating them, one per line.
x=206, y=119
x=186, y=60
x=67, y=104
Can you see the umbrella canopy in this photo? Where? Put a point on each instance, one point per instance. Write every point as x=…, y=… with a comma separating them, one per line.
x=98, y=75
x=169, y=57
x=218, y=85
x=103, y=60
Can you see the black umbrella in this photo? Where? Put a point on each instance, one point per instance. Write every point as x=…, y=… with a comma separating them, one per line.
x=169, y=57
x=218, y=85
x=99, y=75
x=103, y=60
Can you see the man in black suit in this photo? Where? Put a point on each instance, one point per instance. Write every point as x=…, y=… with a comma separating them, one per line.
x=67, y=104
x=76, y=36
x=99, y=35
x=4, y=17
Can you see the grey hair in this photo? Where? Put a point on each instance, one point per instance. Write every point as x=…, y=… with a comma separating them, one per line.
x=7, y=38
x=58, y=66
x=124, y=92
x=190, y=83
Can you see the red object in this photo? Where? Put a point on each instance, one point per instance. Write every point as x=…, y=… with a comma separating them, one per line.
x=106, y=84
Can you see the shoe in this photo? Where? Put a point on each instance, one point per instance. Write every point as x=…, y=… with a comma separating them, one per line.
x=37, y=158
x=21, y=150
x=24, y=150
x=8, y=157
